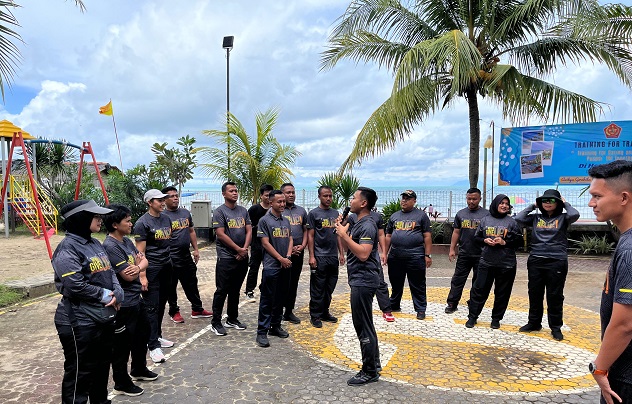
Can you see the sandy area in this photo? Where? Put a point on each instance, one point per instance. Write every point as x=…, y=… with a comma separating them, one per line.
x=22, y=256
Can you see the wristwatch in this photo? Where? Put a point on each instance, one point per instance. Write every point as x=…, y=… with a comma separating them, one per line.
x=593, y=369
x=429, y=256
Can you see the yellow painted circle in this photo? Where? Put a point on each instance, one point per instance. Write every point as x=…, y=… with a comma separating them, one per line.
x=440, y=352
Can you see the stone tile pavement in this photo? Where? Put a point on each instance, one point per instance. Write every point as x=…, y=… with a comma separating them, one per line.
x=436, y=360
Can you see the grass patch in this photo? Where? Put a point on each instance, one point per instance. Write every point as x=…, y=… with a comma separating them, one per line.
x=9, y=296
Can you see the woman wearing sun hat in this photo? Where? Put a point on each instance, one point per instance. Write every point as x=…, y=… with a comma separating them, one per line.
x=91, y=294
x=547, y=265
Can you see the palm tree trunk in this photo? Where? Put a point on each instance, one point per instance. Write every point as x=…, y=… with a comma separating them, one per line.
x=475, y=136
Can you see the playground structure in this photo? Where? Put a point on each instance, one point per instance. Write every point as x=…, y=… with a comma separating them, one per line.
x=26, y=197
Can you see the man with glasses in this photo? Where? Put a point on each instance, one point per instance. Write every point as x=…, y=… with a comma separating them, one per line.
x=184, y=265
x=153, y=238
x=408, y=248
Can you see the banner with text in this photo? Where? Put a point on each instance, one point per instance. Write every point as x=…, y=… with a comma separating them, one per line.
x=560, y=154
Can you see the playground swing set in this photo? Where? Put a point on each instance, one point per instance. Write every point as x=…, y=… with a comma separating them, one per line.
x=27, y=198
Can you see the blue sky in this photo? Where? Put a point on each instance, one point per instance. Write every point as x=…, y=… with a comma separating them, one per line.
x=165, y=70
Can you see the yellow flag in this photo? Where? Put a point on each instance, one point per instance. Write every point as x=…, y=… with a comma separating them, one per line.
x=106, y=109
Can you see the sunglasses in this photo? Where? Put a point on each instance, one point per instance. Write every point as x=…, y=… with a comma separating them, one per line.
x=551, y=200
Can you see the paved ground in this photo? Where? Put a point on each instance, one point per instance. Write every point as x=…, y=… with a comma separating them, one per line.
x=436, y=360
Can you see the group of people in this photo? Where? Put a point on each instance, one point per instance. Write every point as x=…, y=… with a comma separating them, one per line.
x=114, y=295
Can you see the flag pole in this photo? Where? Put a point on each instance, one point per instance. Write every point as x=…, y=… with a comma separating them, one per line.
x=117, y=140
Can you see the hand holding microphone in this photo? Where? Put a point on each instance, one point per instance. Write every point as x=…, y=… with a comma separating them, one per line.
x=345, y=213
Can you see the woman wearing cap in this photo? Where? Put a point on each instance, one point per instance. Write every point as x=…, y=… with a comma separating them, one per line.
x=500, y=235
x=547, y=265
x=85, y=315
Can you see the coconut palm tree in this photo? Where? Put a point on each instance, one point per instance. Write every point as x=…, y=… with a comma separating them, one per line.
x=9, y=52
x=254, y=161
x=342, y=186
x=443, y=50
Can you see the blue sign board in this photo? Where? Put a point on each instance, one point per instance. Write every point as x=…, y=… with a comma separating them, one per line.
x=560, y=154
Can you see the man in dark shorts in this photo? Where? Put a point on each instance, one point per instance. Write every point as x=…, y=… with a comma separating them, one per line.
x=298, y=220
x=325, y=256
x=611, y=191
x=276, y=239
x=363, y=273
x=256, y=212
x=234, y=232
x=152, y=232
x=408, y=245
x=184, y=265
x=469, y=249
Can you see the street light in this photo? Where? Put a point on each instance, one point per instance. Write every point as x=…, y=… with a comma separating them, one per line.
x=489, y=144
x=228, y=45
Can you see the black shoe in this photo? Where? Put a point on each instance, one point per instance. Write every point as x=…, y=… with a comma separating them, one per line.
x=146, y=375
x=235, y=324
x=329, y=318
x=530, y=327
x=470, y=322
x=450, y=309
x=421, y=315
x=132, y=390
x=316, y=322
x=291, y=318
x=218, y=329
x=495, y=324
x=278, y=332
x=557, y=335
x=262, y=340
x=362, y=378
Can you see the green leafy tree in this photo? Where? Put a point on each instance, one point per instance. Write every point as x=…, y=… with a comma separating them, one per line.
x=253, y=160
x=176, y=164
x=10, y=55
x=440, y=51
x=342, y=186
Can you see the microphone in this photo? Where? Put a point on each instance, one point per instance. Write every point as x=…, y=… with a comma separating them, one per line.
x=345, y=213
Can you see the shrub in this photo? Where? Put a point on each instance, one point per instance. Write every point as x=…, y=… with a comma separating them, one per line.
x=593, y=245
x=390, y=208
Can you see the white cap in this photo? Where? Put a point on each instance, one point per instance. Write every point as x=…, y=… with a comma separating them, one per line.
x=153, y=194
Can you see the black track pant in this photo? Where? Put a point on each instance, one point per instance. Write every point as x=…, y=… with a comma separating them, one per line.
x=546, y=274
x=462, y=270
x=229, y=276
x=87, y=356
x=130, y=336
x=256, y=257
x=156, y=299
x=361, y=299
x=381, y=294
x=274, y=285
x=502, y=279
x=184, y=271
x=295, y=276
x=322, y=283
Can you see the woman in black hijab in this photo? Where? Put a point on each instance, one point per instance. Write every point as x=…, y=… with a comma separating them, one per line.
x=85, y=315
x=500, y=235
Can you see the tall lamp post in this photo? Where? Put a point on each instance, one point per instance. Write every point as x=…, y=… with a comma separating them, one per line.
x=489, y=144
x=228, y=45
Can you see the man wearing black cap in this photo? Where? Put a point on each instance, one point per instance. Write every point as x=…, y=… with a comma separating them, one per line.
x=409, y=246
x=547, y=265
x=153, y=238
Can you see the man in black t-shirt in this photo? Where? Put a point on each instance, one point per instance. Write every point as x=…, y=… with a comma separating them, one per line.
x=256, y=212
x=364, y=279
x=611, y=191
x=469, y=249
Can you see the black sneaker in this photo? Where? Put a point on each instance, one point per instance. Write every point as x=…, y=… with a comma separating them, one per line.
x=470, y=322
x=218, y=329
x=450, y=309
x=557, y=335
x=362, y=378
x=146, y=375
x=132, y=390
x=316, y=322
x=421, y=315
x=235, y=324
x=262, y=340
x=278, y=332
x=291, y=318
x=329, y=318
x=495, y=324
x=530, y=327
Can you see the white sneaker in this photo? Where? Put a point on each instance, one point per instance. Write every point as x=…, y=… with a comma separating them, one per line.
x=165, y=343
x=156, y=355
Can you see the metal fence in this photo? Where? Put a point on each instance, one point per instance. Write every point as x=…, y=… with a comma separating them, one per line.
x=447, y=203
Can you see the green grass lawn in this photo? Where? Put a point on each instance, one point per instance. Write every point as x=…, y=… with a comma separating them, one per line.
x=9, y=296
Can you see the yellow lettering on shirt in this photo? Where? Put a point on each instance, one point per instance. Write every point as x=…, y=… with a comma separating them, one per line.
x=163, y=234
x=496, y=231
x=281, y=232
x=99, y=263
x=544, y=225
x=295, y=220
x=405, y=225
x=237, y=223
x=470, y=223
x=180, y=224
x=328, y=223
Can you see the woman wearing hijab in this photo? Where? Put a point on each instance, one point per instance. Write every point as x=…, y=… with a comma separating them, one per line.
x=500, y=235
x=547, y=265
x=85, y=315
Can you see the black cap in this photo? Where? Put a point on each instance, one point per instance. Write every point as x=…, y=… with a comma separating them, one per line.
x=549, y=194
x=409, y=193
